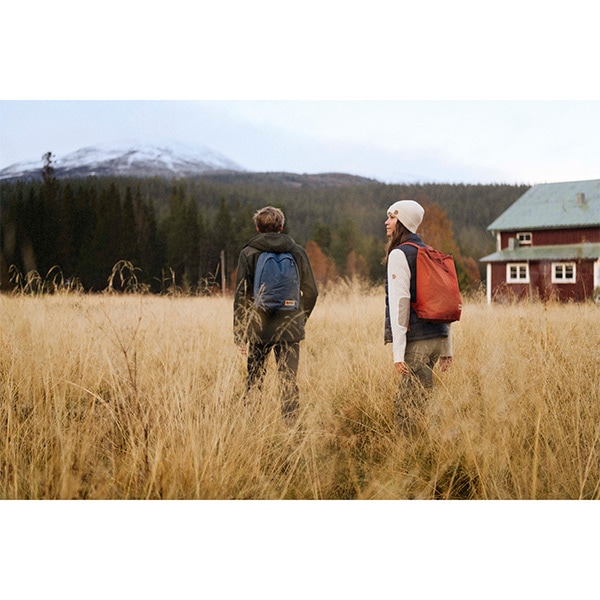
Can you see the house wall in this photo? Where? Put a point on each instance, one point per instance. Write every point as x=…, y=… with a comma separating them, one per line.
x=540, y=283
x=551, y=237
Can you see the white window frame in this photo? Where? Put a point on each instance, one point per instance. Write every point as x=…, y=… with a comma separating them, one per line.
x=525, y=238
x=522, y=267
x=561, y=267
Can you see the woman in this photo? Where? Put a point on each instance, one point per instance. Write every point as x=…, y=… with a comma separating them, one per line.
x=417, y=345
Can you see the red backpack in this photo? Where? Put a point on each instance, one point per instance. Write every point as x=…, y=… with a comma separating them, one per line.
x=438, y=297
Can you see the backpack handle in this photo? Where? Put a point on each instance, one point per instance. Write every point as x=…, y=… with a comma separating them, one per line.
x=434, y=254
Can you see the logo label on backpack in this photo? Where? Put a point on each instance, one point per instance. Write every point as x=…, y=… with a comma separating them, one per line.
x=276, y=282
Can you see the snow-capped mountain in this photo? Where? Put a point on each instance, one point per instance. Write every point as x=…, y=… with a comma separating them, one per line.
x=173, y=160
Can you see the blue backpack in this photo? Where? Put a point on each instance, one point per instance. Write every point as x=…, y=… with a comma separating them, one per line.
x=276, y=282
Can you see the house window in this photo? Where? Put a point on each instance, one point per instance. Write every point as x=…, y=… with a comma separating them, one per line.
x=563, y=272
x=524, y=239
x=517, y=273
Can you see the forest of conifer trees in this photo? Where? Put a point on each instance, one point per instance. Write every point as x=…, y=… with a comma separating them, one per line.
x=184, y=234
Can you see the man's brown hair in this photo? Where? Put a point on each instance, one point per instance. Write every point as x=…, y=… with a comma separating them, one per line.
x=269, y=220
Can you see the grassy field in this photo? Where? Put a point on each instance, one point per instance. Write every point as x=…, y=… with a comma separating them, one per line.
x=137, y=396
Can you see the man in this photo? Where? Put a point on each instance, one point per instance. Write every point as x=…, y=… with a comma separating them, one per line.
x=258, y=329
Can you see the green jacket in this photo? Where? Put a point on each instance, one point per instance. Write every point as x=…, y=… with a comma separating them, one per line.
x=251, y=324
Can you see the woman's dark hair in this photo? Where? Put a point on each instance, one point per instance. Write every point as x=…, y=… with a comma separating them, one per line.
x=399, y=235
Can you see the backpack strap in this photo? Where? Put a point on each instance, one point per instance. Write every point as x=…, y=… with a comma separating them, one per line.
x=412, y=244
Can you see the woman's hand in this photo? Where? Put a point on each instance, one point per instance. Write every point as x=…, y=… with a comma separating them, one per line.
x=445, y=362
x=401, y=368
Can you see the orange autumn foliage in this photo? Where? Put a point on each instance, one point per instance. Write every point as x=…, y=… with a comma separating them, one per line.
x=323, y=266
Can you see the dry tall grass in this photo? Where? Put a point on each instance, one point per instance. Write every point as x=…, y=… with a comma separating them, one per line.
x=134, y=396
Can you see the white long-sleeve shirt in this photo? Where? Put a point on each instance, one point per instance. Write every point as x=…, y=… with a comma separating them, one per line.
x=399, y=301
x=399, y=304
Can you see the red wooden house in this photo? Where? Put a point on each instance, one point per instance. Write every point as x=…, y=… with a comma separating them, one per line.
x=548, y=244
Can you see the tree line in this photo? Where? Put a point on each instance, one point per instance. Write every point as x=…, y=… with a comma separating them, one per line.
x=187, y=234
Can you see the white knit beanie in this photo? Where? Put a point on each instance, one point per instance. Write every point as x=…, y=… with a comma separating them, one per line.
x=408, y=212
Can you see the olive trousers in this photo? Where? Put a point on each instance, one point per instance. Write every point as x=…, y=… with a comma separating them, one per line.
x=414, y=390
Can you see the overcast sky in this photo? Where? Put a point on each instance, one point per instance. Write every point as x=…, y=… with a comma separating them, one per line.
x=392, y=141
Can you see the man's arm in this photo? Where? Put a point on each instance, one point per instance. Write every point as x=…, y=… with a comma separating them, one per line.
x=308, y=285
x=241, y=302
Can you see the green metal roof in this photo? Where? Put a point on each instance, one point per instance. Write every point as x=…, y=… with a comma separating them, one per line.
x=553, y=205
x=562, y=252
